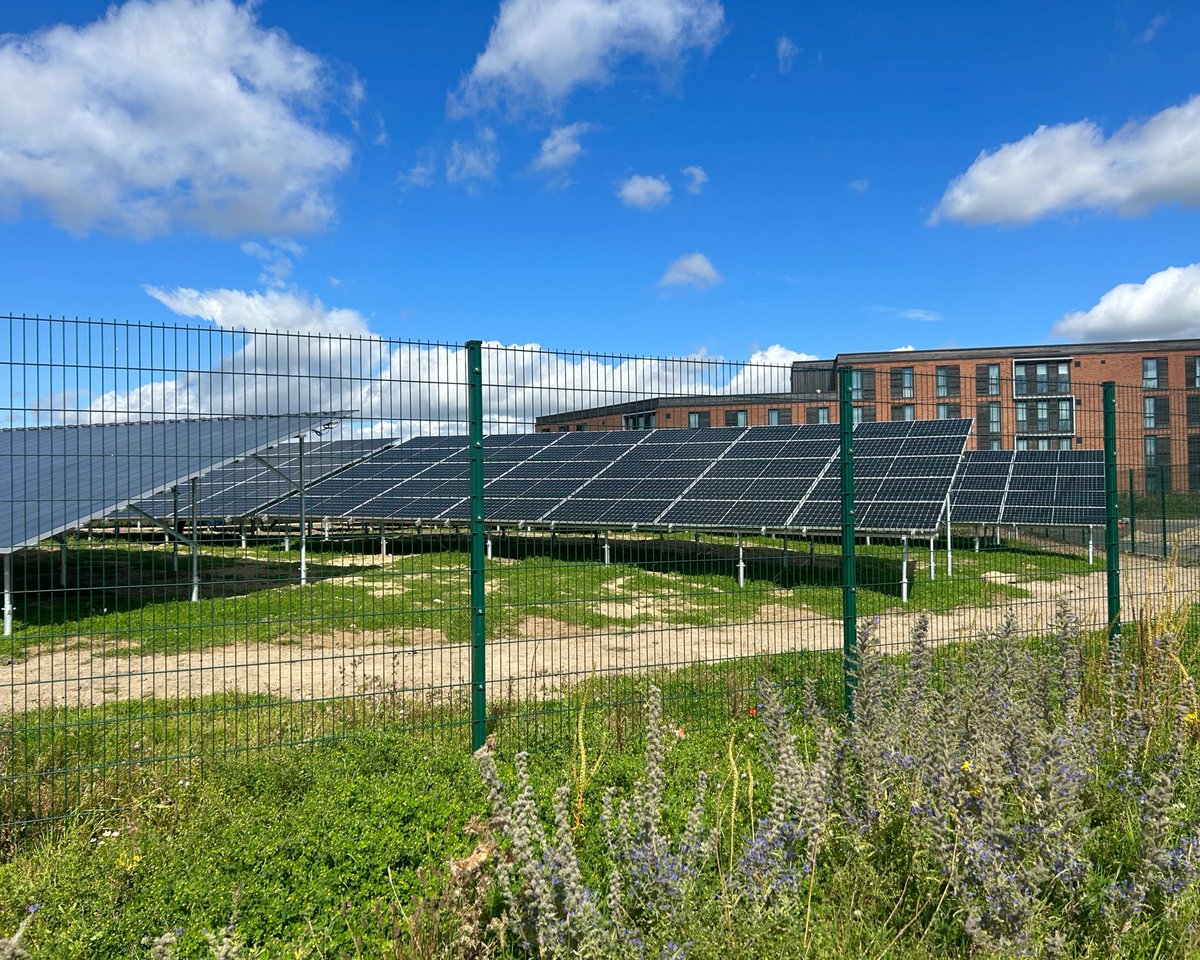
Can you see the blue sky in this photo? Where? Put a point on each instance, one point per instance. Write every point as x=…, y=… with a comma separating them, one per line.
x=635, y=176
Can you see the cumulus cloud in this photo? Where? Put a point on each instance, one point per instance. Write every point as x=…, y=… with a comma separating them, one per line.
x=272, y=310
x=539, y=51
x=696, y=179
x=859, y=186
x=308, y=357
x=561, y=148
x=1074, y=167
x=691, y=270
x=785, y=53
x=166, y=114
x=644, y=192
x=1166, y=304
x=468, y=162
x=905, y=349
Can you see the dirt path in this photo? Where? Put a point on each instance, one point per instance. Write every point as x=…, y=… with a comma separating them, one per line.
x=543, y=654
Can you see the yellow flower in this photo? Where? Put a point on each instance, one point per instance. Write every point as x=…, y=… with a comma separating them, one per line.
x=966, y=766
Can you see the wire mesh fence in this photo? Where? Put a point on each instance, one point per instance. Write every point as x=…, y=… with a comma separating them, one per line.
x=218, y=541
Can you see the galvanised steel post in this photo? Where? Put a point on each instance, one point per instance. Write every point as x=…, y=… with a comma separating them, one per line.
x=1112, y=545
x=849, y=571
x=478, y=596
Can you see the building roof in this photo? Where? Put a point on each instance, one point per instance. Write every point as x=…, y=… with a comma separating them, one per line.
x=1041, y=350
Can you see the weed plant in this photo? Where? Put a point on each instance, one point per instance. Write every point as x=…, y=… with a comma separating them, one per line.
x=1038, y=804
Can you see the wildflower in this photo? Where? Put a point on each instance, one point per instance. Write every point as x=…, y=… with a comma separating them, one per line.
x=754, y=712
x=966, y=766
x=680, y=733
x=34, y=907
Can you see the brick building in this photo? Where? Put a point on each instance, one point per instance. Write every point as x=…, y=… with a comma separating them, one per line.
x=1030, y=397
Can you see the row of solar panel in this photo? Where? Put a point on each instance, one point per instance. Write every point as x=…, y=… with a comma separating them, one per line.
x=761, y=476
x=721, y=477
x=1030, y=487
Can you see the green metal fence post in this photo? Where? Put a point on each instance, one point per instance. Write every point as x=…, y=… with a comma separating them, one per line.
x=1162, y=499
x=849, y=571
x=1111, y=543
x=1132, y=518
x=478, y=595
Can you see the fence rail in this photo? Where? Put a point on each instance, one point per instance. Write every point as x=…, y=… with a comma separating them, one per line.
x=491, y=537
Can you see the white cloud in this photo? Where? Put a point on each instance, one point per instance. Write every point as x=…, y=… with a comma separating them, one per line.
x=859, y=186
x=905, y=349
x=309, y=357
x=561, y=148
x=696, y=179
x=1154, y=27
x=166, y=114
x=1166, y=304
x=920, y=315
x=420, y=174
x=468, y=162
x=785, y=53
x=539, y=51
x=272, y=310
x=276, y=257
x=1073, y=167
x=691, y=270
x=644, y=192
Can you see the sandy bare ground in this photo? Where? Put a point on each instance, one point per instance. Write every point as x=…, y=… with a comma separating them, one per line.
x=536, y=660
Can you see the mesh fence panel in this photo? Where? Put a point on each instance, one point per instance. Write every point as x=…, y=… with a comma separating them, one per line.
x=289, y=547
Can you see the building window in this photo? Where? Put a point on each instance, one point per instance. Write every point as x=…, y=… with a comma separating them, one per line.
x=1193, y=410
x=1154, y=373
x=581, y=426
x=1041, y=377
x=987, y=422
x=1022, y=419
x=903, y=411
x=1192, y=372
x=948, y=381
x=638, y=421
x=987, y=380
x=862, y=384
x=1043, y=416
x=699, y=418
x=1158, y=463
x=1155, y=446
x=735, y=418
x=816, y=415
x=1156, y=412
x=863, y=414
x=779, y=417
x=902, y=384
x=949, y=411
x=1064, y=376
x=1066, y=418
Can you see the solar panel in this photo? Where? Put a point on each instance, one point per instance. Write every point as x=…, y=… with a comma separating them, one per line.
x=57, y=478
x=731, y=477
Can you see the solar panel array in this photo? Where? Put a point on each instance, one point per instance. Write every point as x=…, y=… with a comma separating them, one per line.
x=726, y=477
x=1030, y=487
x=57, y=478
x=248, y=486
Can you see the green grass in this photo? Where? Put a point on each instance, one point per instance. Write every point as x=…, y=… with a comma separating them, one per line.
x=259, y=601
